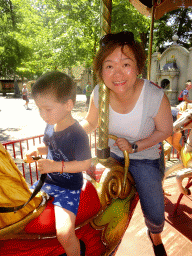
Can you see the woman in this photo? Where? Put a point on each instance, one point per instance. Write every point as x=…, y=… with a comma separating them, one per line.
x=140, y=116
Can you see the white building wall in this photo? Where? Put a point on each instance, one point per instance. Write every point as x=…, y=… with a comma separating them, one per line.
x=177, y=80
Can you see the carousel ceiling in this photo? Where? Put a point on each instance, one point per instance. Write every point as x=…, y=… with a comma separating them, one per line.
x=160, y=6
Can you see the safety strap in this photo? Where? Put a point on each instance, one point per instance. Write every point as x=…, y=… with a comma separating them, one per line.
x=36, y=190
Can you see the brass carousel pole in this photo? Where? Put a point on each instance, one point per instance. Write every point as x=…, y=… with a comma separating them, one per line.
x=103, y=151
x=150, y=42
x=115, y=185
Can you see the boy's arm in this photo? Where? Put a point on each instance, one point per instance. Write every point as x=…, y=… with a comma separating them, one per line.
x=50, y=166
x=42, y=150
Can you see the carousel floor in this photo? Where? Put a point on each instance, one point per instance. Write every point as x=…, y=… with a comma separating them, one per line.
x=177, y=234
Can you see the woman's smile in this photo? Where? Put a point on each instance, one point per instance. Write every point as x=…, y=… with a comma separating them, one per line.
x=119, y=83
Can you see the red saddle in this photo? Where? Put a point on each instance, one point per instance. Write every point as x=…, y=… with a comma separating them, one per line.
x=88, y=207
x=45, y=224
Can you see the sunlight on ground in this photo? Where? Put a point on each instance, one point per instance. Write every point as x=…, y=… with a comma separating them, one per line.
x=17, y=123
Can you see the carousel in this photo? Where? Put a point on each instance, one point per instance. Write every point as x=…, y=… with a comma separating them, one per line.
x=108, y=198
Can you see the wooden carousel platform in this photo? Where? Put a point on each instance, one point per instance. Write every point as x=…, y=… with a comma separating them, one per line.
x=177, y=234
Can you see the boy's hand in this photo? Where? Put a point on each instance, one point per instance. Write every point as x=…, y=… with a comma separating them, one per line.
x=45, y=166
x=28, y=157
x=123, y=144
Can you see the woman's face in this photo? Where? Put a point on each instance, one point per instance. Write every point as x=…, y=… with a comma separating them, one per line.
x=119, y=70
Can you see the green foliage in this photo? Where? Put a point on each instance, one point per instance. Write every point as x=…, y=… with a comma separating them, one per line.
x=126, y=17
x=177, y=22
x=41, y=35
x=11, y=54
x=37, y=35
x=12, y=49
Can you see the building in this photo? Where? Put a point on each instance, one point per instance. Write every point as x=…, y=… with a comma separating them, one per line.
x=7, y=85
x=171, y=70
x=80, y=74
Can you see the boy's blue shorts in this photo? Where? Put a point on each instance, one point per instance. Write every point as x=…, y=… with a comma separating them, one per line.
x=65, y=198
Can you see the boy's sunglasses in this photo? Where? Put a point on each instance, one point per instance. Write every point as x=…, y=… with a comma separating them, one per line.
x=123, y=38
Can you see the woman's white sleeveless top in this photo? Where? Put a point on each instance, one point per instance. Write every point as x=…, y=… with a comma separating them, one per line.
x=137, y=124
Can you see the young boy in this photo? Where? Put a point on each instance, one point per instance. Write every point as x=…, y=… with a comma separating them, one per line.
x=68, y=154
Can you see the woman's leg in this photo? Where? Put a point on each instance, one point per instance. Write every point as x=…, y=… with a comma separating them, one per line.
x=65, y=228
x=148, y=179
x=156, y=238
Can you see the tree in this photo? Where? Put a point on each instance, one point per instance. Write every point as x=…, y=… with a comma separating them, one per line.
x=62, y=34
x=12, y=51
x=52, y=34
x=126, y=17
x=177, y=22
x=41, y=35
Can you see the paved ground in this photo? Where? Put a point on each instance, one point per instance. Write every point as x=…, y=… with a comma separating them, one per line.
x=17, y=123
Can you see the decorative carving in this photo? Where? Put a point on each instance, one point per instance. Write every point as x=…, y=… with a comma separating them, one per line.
x=112, y=181
x=116, y=191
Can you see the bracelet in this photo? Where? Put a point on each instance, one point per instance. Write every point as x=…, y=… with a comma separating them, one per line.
x=63, y=166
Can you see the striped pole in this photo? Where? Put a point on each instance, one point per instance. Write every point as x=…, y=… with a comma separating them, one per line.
x=103, y=151
x=150, y=42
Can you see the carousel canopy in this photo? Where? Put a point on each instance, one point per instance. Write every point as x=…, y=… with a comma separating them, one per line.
x=160, y=6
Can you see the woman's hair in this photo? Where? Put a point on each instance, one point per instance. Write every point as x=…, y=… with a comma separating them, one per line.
x=110, y=42
x=57, y=84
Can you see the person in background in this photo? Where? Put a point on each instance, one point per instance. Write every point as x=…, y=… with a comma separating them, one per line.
x=66, y=146
x=140, y=116
x=88, y=92
x=25, y=94
x=184, y=94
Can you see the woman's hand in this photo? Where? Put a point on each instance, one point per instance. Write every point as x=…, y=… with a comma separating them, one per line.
x=123, y=144
x=46, y=165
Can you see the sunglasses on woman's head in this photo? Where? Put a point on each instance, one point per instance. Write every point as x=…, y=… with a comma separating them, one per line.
x=123, y=38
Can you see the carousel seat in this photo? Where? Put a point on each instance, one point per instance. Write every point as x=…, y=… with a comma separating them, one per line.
x=89, y=206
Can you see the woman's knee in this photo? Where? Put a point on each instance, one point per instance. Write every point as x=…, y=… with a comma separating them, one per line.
x=154, y=213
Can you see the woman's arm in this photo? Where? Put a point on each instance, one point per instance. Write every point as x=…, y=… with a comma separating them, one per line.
x=50, y=166
x=163, y=126
x=90, y=122
x=163, y=129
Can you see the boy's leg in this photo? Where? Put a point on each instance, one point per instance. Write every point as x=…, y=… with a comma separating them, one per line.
x=65, y=228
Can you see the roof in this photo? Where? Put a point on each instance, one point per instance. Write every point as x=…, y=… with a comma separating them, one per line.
x=170, y=66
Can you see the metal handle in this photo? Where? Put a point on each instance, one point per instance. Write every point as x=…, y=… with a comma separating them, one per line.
x=36, y=158
x=126, y=156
